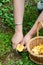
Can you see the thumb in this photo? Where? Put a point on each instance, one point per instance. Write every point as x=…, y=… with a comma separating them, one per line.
x=25, y=47
x=23, y=43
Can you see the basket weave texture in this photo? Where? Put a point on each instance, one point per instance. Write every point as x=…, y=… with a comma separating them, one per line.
x=31, y=44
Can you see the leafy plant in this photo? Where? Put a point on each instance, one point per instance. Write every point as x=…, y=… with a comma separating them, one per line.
x=0, y=63
x=11, y=62
x=7, y=19
x=6, y=13
x=19, y=62
x=5, y=43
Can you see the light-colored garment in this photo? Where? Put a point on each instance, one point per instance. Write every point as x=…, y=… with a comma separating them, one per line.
x=40, y=5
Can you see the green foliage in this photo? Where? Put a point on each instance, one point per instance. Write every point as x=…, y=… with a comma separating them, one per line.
x=25, y=60
x=30, y=16
x=0, y=63
x=7, y=19
x=11, y=62
x=6, y=13
x=5, y=43
x=19, y=62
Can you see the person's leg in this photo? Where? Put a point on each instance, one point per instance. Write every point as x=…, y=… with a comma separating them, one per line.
x=18, y=16
x=33, y=30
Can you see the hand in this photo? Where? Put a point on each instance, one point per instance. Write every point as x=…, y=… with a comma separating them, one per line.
x=26, y=40
x=17, y=38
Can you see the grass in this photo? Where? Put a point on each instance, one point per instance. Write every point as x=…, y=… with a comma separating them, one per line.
x=30, y=15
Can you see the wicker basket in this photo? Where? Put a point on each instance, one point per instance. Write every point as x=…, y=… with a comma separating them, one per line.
x=33, y=42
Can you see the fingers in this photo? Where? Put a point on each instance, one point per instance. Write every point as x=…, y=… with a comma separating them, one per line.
x=25, y=49
x=24, y=44
x=42, y=24
x=14, y=46
x=23, y=41
x=15, y=43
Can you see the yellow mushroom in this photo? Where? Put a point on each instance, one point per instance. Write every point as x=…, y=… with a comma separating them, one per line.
x=20, y=47
x=38, y=49
x=41, y=51
x=35, y=50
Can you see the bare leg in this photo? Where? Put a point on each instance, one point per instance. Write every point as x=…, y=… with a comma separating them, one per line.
x=18, y=14
x=33, y=30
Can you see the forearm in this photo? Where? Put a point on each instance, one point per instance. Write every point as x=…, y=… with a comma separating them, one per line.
x=34, y=28
x=18, y=13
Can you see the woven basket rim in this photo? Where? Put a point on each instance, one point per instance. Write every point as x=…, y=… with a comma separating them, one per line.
x=28, y=48
x=35, y=61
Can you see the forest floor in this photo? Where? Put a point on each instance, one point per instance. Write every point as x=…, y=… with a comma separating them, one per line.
x=8, y=56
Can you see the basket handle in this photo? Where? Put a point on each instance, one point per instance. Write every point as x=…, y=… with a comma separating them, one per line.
x=39, y=25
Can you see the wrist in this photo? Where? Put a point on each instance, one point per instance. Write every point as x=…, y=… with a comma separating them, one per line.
x=30, y=34
x=18, y=28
